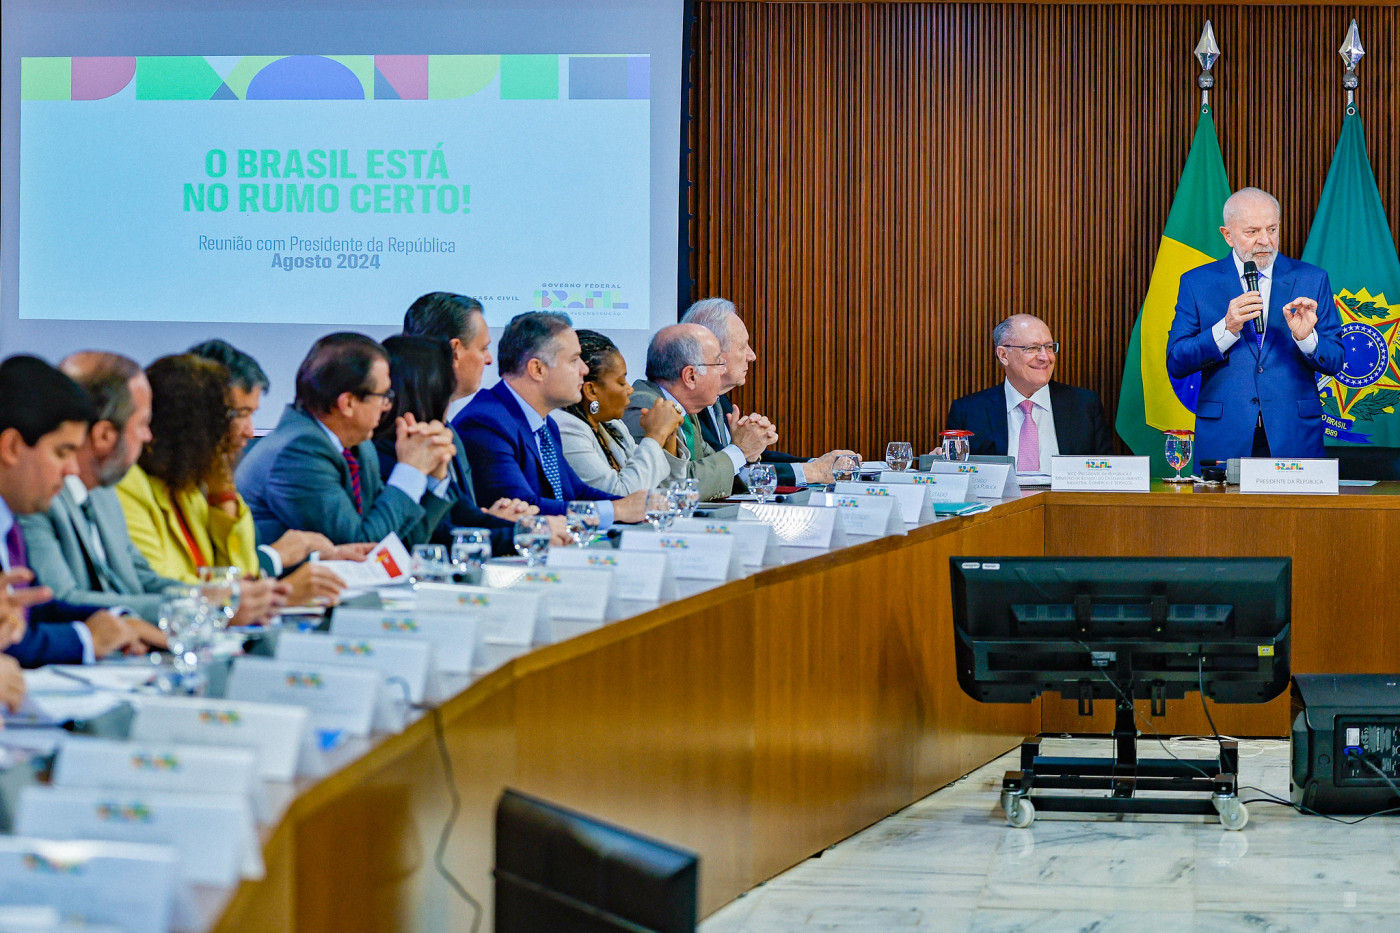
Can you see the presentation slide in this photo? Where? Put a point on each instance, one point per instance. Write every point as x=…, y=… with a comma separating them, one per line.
x=323, y=189
x=270, y=172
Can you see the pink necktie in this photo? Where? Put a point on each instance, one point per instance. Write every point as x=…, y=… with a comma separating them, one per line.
x=1028, y=447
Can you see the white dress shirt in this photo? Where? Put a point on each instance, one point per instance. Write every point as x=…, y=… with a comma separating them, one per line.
x=536, y=421
x=1224, y=340
x=1043, y=416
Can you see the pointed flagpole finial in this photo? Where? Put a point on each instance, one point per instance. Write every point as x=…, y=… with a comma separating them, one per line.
x=1351, y=52
x=1207, y=51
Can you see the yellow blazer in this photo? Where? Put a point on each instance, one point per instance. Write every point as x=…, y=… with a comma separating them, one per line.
x=224, y=540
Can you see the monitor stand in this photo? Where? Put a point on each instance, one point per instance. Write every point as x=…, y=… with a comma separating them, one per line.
x=1207, y=786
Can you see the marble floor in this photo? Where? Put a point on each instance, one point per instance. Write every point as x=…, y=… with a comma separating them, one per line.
x=950, y=863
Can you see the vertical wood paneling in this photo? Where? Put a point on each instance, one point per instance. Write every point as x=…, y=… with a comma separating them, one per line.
x=877, y=184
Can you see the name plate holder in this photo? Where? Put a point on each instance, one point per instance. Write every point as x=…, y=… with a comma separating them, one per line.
x=339, y=698
x=638, y=576
x=693, y=555
x=942, y=487
x=407, y=660
x=869, y=516
x=757, y=543
x=804, y=526
x=280, y=735
x=576, y=595
x=988, y=480
x=89, y=761
x=914, y=502
x=452, y=636
x=129, y=885
x=214, y=834
x=1100, y=474
x=1289, y=477
x=508, y=622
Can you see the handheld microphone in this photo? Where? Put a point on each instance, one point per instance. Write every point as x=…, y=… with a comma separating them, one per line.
x=1251, y=281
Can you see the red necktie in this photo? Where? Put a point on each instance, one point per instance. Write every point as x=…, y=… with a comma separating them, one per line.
x=14, y=546
x=353, y=462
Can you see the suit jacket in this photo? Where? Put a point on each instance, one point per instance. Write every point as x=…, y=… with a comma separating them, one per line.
x=48, y=639
x=463, y=512
x=154, y=527
x=63, y=558
x=1080, y=425
x=709, y=420
x=710, y=466
x=505, y=459
x=1277, y=381
x=645, y=465
x=297, y=478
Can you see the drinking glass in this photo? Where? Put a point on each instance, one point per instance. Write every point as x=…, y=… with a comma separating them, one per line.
x=532, y=539
x=430, y=563
x=189, y=623
x=661, y=509
x=1179, y=444
x=581, y=517
x=220, y=587
x=846, y=469
x=763, y=480
x=953, y=445
x=471, y=547
x=686, y=492
x=898, y=455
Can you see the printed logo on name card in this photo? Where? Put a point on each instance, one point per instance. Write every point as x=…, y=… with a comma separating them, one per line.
x=595, y=560
x=358, y=649
x=924, y=480
x=675, y=543
x=395, y=625
x=848, y=503
x=1287, y=466
x=219, y=717
x=876, y=491
x=717, y=529
x=146, y=762
x=473, y=599
x=109, y=812
x=40, y=864
x=538, y=577
x=308, y=681
x=1096, y=465
x=966, y=468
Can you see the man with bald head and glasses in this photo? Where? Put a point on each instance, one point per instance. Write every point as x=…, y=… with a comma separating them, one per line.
x=1029, y=415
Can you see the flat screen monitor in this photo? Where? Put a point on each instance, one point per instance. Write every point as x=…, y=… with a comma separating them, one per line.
x=1093, y=627
x=557, y=869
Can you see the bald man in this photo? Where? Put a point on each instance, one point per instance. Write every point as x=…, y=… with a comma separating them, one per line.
x=1030, y=416
x=686, y=367
x=1258, y=395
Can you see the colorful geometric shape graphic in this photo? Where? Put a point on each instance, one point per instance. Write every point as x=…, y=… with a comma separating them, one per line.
x=407, y=75
x=46, y=79
x=175, y=77
x=455, y=76
x=99, y=78
x=305, y=77
x=609, y=77
x=530, y=77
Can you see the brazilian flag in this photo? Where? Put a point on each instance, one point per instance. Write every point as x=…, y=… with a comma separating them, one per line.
x=1351, y=240
x=1150, y=401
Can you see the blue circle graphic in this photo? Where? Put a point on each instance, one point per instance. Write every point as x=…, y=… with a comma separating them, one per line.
x=1366, y=355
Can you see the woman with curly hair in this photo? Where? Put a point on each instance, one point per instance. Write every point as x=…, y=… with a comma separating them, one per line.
x=181, y=507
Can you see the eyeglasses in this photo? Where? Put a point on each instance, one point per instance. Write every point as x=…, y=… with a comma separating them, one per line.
x=240, y=414
x=1037, y=349
x=719, y=362
x=386, y=397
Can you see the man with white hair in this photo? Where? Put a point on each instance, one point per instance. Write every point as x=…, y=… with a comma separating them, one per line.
x=1258, y=348
x=720, y=317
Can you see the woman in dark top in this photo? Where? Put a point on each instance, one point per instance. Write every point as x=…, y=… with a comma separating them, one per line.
x=420, y=370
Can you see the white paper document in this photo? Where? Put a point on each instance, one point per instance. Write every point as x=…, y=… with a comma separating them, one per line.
x=389, y=562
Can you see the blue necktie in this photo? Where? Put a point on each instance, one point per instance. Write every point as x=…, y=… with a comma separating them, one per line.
x=550, y=456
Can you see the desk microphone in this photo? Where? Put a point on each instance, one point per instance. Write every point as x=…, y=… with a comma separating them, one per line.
x=1251, y=282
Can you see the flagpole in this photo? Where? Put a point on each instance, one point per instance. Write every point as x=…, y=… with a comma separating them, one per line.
x=1207, y=51
x=1351, y=52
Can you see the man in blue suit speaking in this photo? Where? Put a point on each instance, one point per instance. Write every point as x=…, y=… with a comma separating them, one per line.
x=1258, y=393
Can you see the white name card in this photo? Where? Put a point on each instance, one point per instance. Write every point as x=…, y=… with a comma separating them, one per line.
x=1100, y=474
x=88, y=761
x=279, y=734
x=798, y=525
x=871, y=516
x=338, y=697
x=1294, y=477
x=573, y=594
x=988, y=480
x=693, y=555
x=518, y=617
x=452, y=635
x=637, y=575
x=942, y=487
x=409, y=660
x=915, y=505
x=756, y=541
x=128, y=885
x=213, y=833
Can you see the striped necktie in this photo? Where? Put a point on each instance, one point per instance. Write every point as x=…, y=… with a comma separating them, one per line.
x=550, y=457
x=353, y=462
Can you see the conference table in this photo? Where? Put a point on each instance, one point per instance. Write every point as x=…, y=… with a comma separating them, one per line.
x=761, y=720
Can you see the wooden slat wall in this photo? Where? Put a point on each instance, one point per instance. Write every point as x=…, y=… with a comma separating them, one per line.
x=877, y=184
